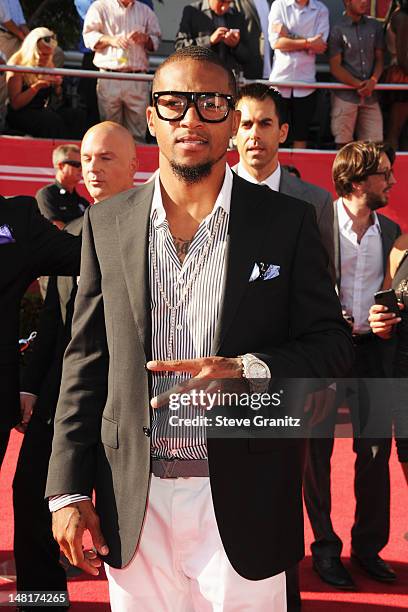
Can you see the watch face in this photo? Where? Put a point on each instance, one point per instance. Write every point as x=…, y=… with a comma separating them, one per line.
x=257, y=370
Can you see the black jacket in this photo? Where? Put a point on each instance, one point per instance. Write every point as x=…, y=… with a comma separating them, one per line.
x=42, y=373
x=197, y=24
x=36, y=248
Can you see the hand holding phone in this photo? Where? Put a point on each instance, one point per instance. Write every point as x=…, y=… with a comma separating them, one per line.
x=383, y=322
x=389, y=299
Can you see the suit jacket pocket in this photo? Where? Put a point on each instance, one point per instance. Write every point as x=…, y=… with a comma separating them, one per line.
x=109, y=432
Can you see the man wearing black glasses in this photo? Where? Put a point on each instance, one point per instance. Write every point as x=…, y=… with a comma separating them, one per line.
x=195, y=274
x=60, y=202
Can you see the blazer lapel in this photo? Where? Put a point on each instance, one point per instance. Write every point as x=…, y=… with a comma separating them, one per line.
x=133, y=229
x=243, y=242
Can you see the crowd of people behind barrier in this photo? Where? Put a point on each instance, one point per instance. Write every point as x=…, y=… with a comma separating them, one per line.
x=260, y=39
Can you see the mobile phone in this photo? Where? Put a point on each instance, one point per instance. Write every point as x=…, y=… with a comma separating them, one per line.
x=235, y=30
x=389, y=299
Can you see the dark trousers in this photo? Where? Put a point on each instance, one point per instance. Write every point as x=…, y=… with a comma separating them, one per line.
x=87, y=91
x=4, y=438
x=370, y=531
x=35, y=550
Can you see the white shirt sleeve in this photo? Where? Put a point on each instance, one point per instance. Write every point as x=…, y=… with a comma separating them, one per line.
x=153, y=28
x=60, y=501
x=93, y=27
x=275, y=16
x=4, y=12
x=322, y=25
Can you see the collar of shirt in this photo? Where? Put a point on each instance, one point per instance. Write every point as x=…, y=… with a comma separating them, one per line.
x=63, y=190
x=311, y=5
x=272, y=181
x=123, y=5
x=345, y=222
x=349, y=21
x=223, y=199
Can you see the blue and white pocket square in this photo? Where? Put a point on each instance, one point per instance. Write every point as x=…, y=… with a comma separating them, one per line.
x=262, y=271
x=6, y=237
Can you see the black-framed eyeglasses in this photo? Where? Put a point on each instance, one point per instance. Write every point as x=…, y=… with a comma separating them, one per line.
x=387, y=174
x=71, y=162
x=48, y=39
x=211, y=107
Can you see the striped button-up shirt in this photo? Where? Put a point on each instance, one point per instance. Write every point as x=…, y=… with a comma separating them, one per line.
x=196, y=317
x=112, y=18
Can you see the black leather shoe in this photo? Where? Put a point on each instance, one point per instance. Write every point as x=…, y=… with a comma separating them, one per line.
x=375, y=567
x=332, y=571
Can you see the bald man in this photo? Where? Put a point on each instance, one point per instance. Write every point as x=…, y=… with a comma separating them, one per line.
x=108, y=158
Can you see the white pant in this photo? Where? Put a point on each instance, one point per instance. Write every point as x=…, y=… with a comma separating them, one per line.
x=124, y=102
x=180, y=564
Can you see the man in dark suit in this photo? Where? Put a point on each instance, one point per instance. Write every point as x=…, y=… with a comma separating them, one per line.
x=259, y=64
x=29, y=247
x=153, y=290
x=216, y=25
x=362, y=174
x=263, y=127
x=36, y=552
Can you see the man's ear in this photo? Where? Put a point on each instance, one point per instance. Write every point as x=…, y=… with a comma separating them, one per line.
x=134, y=165
x=236, y=120
x=150, y=122
x=283, y=132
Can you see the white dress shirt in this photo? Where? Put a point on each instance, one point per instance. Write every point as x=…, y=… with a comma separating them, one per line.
x=302, y=22
x=262, y=8
x=112, y=18
x=362, y=268
x=273, y=180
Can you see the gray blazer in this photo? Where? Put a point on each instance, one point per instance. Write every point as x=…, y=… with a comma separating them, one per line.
x=322, y=202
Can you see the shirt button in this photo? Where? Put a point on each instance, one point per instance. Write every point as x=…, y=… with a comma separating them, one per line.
x=146, y=431
x=179, y=327
x=173, y=452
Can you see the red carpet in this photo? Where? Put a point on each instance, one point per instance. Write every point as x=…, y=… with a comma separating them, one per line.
x=92, y=595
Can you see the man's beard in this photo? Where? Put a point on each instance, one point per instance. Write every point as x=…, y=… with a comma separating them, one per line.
x=192, y=174
x=374, y=201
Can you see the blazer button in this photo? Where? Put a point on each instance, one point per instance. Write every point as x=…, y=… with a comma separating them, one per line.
x=146, y=431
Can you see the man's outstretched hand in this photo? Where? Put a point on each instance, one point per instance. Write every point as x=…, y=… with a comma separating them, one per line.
x=204, y=368
x=68, y=526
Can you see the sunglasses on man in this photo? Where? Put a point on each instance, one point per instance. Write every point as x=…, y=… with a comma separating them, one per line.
x=71, y=162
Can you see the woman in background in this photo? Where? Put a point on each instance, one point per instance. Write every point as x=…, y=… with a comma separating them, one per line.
x=383, y=324
x=35, y=100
